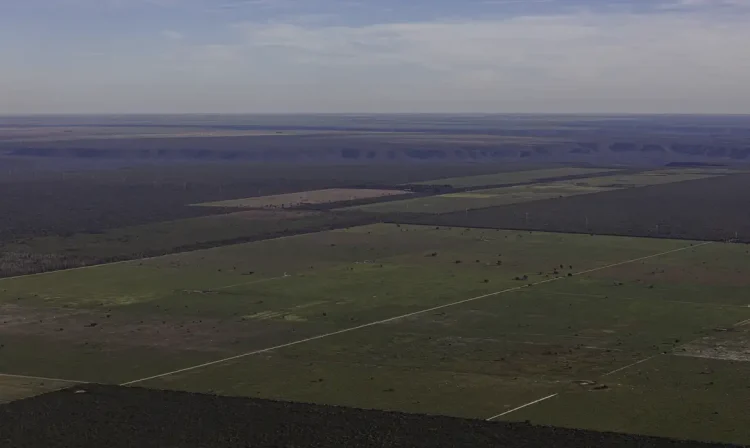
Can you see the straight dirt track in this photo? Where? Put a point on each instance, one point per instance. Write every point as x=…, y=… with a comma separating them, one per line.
x=400, y=317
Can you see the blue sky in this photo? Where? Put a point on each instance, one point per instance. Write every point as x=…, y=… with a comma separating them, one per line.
x=121, y=56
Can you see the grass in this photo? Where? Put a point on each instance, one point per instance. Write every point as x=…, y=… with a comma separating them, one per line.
x=688, y=398
x=473, y=359
x=365, y=385
x=305, y=197
x=12, y=388
x=86, y=359
x=57, y=252
x=647, y=178
x=514, y=177
x=455, y=202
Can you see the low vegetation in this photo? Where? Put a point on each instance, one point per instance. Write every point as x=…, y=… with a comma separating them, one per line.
x=302, y=198
x=706, y=209
x=515, y=177
x=73, y=418
x=473, y=342
x=472, y=198
x=49, y=253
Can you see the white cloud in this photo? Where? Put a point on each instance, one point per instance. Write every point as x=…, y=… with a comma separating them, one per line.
x=584, y=55
x=671, y=61
x=172, y=35
x=704, y=4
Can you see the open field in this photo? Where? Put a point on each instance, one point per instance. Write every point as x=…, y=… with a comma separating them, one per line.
x=705, y=209
x=514, y=177
x=305, y=198
x=477, y=199
x=14, y=388
x=712, y=393
x=54, y=252
x=656, y=177
x=59, y=198
x=461, y=322
x=456, y=303
x=470, y=200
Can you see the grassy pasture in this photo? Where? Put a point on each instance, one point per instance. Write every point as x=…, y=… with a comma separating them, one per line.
x=305, y=197
x=80, y=249
x=596, y=304
x=688, y=398
x=657, y=177
x=514, y=177
x=455, y=202
x=714, y=208
x=13, y=388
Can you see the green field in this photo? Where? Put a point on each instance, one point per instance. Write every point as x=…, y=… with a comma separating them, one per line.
x=58, y=252
x=305, y=198
x=470, y=323
x=514, y=177
x=494, y=197
x=14, y=388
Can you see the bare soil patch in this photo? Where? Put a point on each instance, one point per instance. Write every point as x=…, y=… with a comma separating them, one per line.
x=728, y=344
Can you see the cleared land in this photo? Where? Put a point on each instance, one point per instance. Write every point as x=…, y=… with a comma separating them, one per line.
x=477, y=199
x=514, y=177
x=14, y=388
x=305, y=198
x=42, y=254
x=706, y=209
x=43, y=198
x=470, y=200
x=409, y=318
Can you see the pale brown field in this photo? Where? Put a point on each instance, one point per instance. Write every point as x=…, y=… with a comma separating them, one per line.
x=305, y=197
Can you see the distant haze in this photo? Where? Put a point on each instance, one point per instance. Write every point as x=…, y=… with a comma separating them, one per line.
x=286, y=56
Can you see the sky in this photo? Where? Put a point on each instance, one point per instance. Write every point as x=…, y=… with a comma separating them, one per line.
x=374, y=56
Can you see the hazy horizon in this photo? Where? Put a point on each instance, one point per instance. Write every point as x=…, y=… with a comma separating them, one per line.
x=603, y=57
x=373, y=114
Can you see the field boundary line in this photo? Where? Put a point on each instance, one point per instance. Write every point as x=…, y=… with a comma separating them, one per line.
x=41, y=378
x=403, y=316
x=522, y=406
x=114, y=263
x=630, y=365
x=172, y=254
x=80, y=268
x=648, y=257
x=253, y=282
x=315, y=338
x=744, y=322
